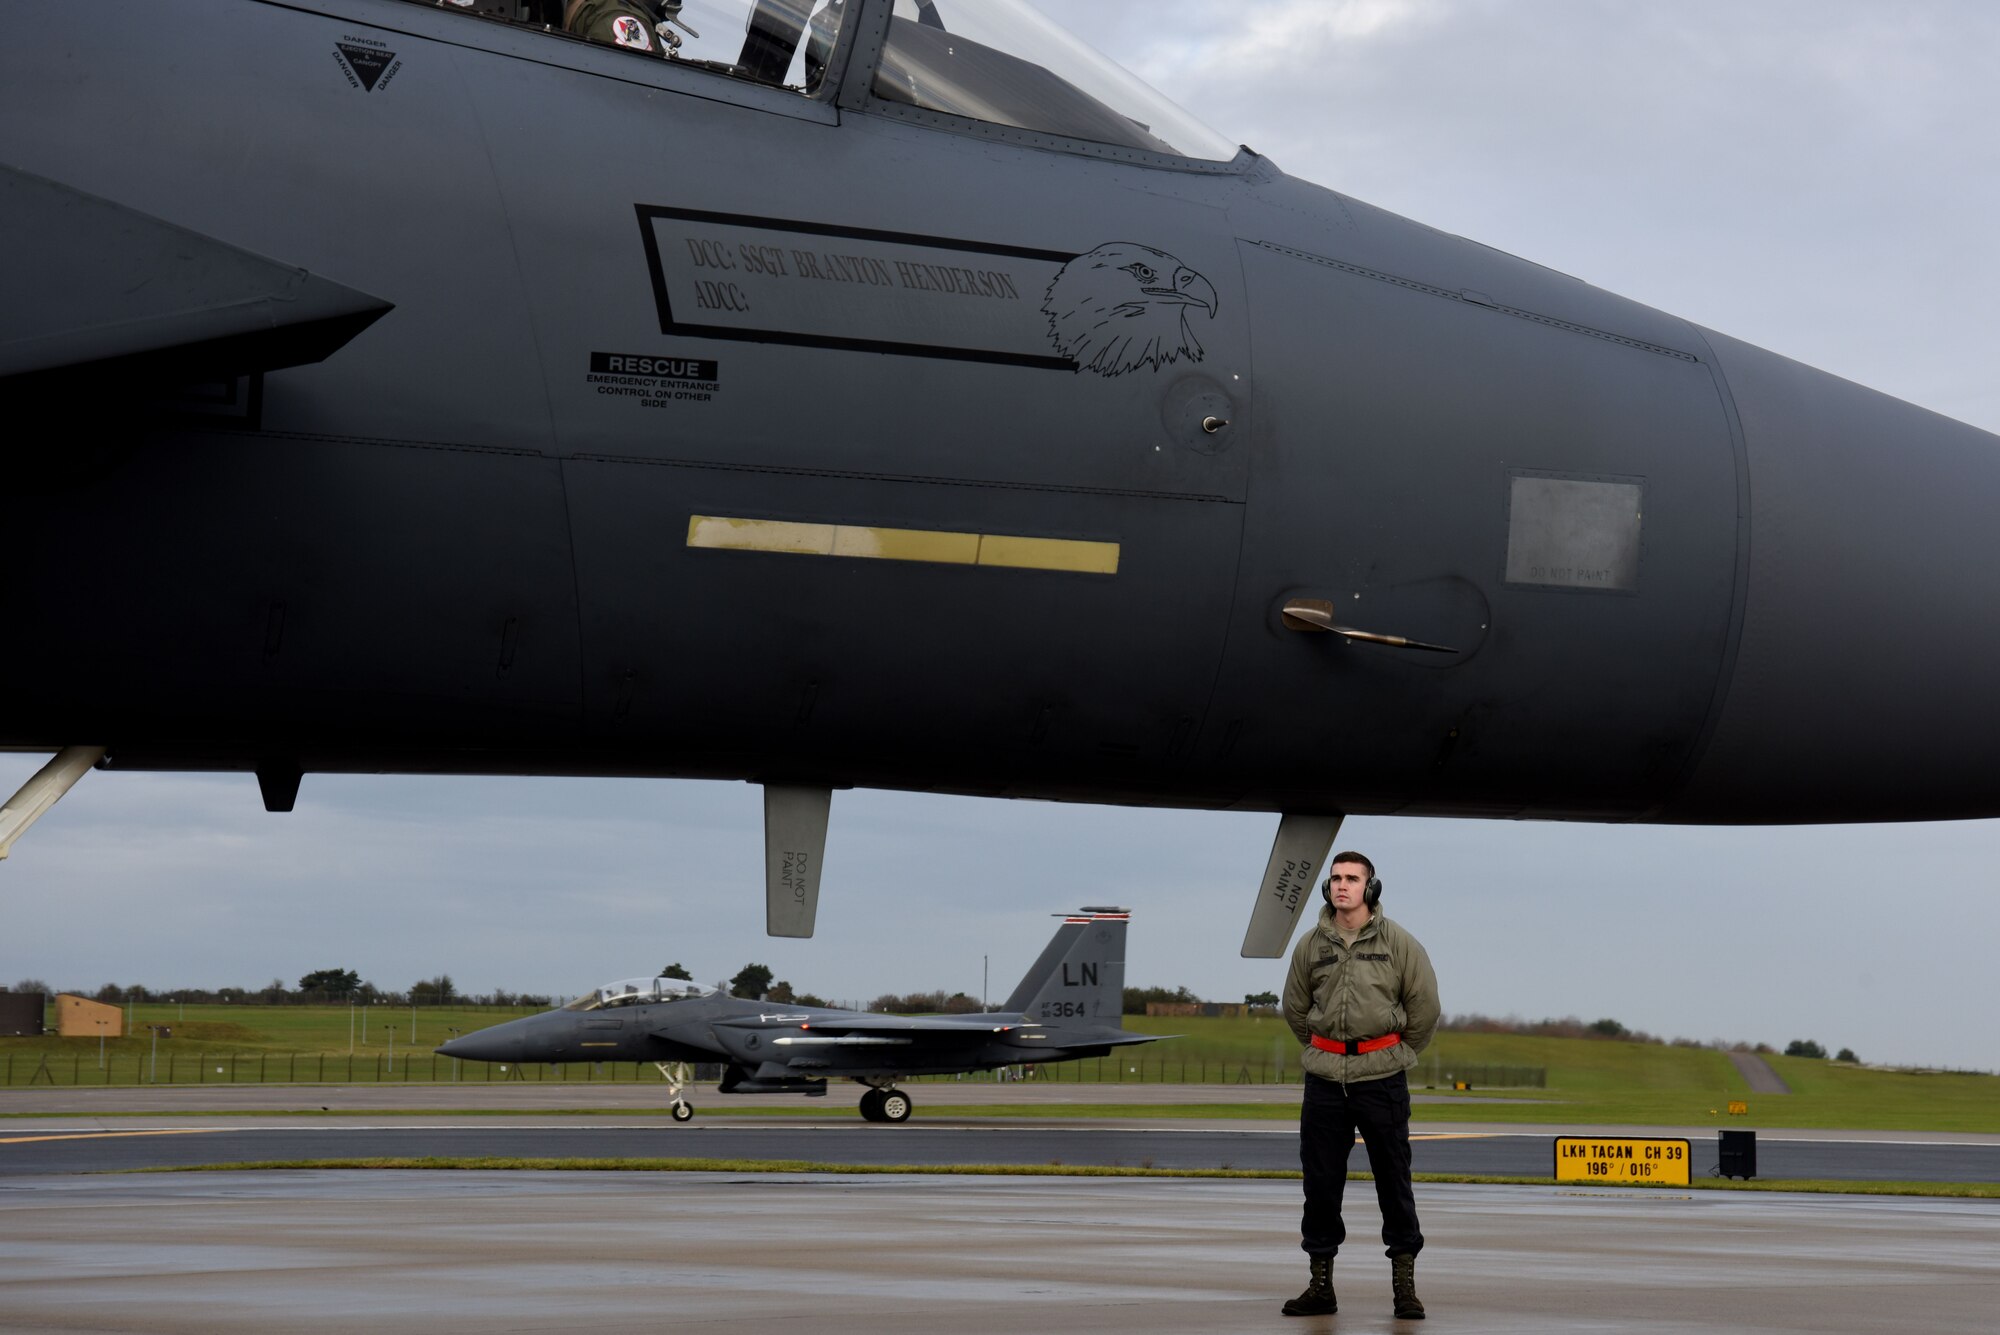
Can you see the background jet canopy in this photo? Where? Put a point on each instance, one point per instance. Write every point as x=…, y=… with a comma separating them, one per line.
x=636, y=992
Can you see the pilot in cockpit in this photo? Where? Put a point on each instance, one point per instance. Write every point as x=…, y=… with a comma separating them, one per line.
x=637, y=25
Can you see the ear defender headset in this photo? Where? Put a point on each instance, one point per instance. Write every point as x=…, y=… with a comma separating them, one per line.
x=1371, y=894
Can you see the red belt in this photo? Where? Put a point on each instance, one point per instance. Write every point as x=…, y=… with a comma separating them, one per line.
x=1353, y=1046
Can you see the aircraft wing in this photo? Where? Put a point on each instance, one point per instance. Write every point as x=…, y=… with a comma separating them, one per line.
x=96, y=286
x=802, y=1029
x=840, y=1031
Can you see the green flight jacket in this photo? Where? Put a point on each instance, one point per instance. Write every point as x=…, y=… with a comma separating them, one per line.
x=613, y=22
x=1383, y=984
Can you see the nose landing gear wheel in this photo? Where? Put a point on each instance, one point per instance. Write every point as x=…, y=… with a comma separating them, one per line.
x=678, y=1075
x=871, y=1105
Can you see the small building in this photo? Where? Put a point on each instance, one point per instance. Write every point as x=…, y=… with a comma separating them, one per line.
x=21, y=1013
x=80, y=1017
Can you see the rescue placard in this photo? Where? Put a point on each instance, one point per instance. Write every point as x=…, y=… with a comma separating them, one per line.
x=1621, y=1159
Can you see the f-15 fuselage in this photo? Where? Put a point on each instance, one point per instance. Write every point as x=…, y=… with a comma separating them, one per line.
x=799, y=1042
x=721, y=428
x=1065, y=1008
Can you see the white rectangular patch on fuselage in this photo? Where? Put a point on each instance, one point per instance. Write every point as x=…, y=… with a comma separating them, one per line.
x=1574, y=533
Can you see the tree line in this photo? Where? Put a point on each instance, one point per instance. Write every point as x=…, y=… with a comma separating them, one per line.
x=324, y=987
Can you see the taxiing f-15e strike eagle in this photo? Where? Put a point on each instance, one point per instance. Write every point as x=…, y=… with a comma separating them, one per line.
x=891, y=394
x=1066, y=1008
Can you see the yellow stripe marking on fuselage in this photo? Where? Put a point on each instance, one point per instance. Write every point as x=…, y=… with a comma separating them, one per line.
x=934, y=546
x=1095, y=558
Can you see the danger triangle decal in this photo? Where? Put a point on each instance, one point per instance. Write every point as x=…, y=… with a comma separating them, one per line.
x=367, y=65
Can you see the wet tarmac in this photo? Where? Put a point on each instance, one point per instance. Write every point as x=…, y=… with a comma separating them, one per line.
x=507, y=1252
x=87, y=1130
x=68, y=1145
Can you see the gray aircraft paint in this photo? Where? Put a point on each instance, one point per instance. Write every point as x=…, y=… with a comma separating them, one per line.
x=1067, y=1006
x=449, y=547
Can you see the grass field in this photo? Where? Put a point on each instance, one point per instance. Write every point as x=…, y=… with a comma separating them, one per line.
x=1570, y=1081
x=305, y=1028
x=1640, y=1083
x=254, y=1044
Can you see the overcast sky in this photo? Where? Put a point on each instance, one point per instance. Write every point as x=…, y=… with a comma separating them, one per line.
x=1816, y=177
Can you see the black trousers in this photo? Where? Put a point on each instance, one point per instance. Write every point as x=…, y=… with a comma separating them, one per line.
x=1328, y=1120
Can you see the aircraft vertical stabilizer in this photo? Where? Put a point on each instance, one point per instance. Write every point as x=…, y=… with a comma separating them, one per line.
x=1081, y=973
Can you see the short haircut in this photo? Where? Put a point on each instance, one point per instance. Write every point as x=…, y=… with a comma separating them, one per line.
x=1361, y=858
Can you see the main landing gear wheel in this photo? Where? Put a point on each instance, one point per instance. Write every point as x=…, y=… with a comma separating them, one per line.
x=885, y=1105
x=683, y=1112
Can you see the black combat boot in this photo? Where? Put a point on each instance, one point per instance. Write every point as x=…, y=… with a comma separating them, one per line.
x=1403, y=1275
x=1318, y=1299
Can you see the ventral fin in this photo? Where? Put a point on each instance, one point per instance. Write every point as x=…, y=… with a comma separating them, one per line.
x=1302, y=843
x=795, y=818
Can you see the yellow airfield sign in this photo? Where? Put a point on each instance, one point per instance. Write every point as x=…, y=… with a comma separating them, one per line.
x=1622, y=1159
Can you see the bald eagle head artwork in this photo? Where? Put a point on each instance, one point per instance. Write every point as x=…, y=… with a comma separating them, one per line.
x=1123, y=306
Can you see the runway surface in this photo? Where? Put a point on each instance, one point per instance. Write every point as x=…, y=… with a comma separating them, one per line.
x=43, y=1146
x=72, y=1130
x=616, y=1251
x=517, y=1252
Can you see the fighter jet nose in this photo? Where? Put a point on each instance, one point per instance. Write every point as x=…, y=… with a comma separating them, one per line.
x=1860, y=686
x=515, y=1040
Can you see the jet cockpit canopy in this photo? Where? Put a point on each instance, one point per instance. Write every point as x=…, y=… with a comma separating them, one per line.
x=637, y=992
x=1005, y=62
x=1000, y=62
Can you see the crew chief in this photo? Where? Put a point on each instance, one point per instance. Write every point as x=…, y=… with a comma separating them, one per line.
x=1362, y=997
